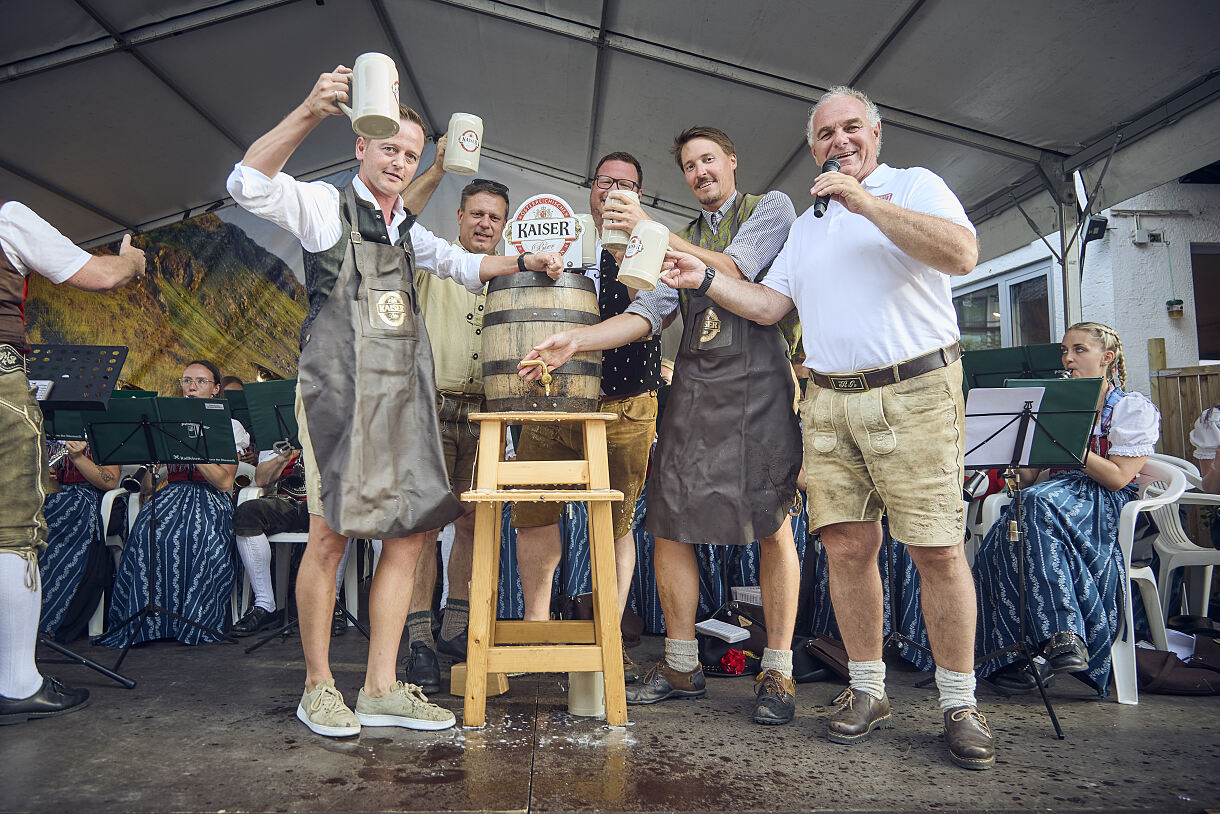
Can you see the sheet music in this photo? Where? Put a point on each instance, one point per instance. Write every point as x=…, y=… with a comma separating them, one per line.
x=1008, y=402
x=42, y=388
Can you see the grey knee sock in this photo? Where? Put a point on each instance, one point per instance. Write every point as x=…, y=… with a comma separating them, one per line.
x=457, y=615
x=681, y=655
x=778, y=660
x=419, y=628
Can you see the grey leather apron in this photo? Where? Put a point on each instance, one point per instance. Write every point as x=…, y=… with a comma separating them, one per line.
x=367, y=387
x=729, y=445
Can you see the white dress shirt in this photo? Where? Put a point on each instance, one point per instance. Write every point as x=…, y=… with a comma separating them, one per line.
x=32, y=244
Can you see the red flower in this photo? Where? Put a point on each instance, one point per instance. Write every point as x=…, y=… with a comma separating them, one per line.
x=733, y=662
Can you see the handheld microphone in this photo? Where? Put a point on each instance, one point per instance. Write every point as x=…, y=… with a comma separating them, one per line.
x=819, y=203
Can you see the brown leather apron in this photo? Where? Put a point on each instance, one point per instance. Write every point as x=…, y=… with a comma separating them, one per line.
x=367, y=387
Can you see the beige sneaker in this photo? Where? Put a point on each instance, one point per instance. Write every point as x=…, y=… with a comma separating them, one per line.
x=324, y=712
x=404, y=705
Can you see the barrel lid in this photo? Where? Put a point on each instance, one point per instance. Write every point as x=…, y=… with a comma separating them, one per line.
x=535, y=279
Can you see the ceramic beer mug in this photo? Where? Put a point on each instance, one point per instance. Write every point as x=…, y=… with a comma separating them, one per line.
x=645, y=253
x=617, y=238
x=374, y=95
x=588, y=241
x=465, y=144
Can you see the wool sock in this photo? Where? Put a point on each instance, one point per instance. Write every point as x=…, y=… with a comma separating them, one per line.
x=956, y=689
x=255, y=554
x=867, y=676
x=778, y=660
x=682, y=656
x=20, y=608
x=419, y=628
x=457, y=616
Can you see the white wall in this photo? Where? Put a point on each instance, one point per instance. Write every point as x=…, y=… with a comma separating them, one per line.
x=1126, y=286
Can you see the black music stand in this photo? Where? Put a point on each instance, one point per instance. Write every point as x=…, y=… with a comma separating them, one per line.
x=994, y=367
x=156, y=431
x=73, y=379
x=1038, y=423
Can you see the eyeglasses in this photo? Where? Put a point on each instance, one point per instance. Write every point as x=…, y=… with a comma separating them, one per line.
x=494, y=186
x=606, y=182
x=187, y=380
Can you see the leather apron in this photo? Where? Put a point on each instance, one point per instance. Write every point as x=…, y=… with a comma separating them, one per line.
x=729, y=445
x=368, y=390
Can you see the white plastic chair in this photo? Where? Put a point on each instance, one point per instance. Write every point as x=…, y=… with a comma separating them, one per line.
x=1170, y=483
x=1175, y=549
x=114, y=542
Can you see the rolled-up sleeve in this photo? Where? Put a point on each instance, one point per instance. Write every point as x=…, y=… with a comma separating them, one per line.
x=655, y=306
x=761, y=237
x=444, y=259
x=310, y=211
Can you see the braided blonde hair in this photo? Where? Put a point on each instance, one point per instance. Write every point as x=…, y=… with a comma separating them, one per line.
x=1108, y=337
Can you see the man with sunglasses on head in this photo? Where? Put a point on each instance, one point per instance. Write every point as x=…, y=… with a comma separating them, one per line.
x=631, y=376
x=453, y=317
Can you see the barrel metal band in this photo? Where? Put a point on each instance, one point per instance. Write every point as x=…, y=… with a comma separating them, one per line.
x=572, y=367
x=567, y=315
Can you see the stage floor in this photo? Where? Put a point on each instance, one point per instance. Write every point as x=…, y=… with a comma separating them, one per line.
x=213, y=729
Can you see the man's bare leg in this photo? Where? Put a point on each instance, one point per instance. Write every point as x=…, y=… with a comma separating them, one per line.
x=780, y=578
x=678, y=675
x=947, y=599
x=389, y=599
x=315, y=593
x=624, y=568
x=538, y=551
x=855, y=586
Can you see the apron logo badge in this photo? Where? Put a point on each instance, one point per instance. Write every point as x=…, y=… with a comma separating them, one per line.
x=711, y=326
x=391, y=309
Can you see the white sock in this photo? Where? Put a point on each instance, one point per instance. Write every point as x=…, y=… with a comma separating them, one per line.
x=682, y=656
x=778, y=660
x=20, y=608
x=956, y=689
x=255, y=555
x=867, y=676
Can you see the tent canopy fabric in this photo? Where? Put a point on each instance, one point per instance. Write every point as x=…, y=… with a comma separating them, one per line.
x=124, y=114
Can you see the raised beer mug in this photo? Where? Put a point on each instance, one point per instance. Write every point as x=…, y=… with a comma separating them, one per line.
x=645, y=253
x=588, y=241
x=617, y=238
x=374, y=95
x=465, y=144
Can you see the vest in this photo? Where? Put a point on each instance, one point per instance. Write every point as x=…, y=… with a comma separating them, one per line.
x=13, y=288
x=636, y=366
x=322, y=269
x=701, y=235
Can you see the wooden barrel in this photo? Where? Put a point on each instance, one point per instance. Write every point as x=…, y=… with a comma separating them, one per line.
x=522, y=310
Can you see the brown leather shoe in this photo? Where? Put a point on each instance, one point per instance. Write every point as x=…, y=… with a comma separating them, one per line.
x=662, y=682
x=858, y=715
x=971, y=745
x=776, y=702
x=631, y=671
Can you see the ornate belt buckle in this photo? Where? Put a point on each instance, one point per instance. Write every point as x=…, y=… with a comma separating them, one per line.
x=848, y=384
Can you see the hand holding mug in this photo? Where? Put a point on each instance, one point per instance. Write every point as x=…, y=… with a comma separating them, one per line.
x=682, y=270
x=330, y=89
x=622, y=213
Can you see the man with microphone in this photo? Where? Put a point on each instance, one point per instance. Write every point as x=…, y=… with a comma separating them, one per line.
x=884, y=423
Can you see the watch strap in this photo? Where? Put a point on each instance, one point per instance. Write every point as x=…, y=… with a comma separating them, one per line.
x=708, y=275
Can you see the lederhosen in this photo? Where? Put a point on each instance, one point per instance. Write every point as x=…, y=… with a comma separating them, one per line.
x=729, y=446
x=22, y=446
x=368, y=388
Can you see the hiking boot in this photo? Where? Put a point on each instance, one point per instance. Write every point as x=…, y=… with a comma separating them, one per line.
x=631, y=670
x=662, y=682
x=404, y=705
x=776, y=702
x=324, y=712
x=858, y=715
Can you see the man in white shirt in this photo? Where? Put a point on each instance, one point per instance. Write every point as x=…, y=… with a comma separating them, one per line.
x=28, y=244
x=366, y=384
x=884, y=426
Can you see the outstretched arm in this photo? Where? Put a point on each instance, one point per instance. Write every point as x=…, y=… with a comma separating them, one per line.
x=559, y=348
x=755, y=301
x=271, y=152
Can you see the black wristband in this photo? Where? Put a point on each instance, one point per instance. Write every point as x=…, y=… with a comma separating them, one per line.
x=708, y=276
x=521, y=261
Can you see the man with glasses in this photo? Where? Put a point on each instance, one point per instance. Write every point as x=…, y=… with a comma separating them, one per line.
x=729, y=452
x=631, y=376
x=453, y=317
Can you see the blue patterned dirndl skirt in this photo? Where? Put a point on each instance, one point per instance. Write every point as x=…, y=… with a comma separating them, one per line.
x=73, y=524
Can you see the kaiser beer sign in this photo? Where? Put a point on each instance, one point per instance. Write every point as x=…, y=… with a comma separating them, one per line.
x=545, y=223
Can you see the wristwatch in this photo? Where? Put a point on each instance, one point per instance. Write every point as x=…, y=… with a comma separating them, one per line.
x=521, y=261
x=708, y=276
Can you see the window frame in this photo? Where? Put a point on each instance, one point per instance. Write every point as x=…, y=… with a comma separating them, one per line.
x=1004, y=282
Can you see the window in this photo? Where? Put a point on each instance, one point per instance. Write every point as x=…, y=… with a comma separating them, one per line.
x=1009, y=310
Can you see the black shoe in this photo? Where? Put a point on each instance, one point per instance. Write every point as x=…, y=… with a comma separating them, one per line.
x=423, y=670
x=51, y=699
x=256, y=619
x=776, y=698
x=338, y=622
x=1066, y=653
x=455, y=647
x=1016, y=677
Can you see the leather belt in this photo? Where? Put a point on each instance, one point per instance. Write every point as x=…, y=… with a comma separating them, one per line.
x=882, y=376
x=624, y=396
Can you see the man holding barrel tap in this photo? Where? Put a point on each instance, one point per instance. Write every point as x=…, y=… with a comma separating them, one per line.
x=366, y=405
x=729, y=447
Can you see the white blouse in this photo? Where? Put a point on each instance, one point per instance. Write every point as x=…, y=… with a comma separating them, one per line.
x=1135, y=426
x=1206, y=434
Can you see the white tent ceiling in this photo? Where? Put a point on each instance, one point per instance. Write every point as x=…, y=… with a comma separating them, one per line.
x=125, y=114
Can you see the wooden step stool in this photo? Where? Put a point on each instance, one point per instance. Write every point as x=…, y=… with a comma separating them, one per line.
x=552, y=646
